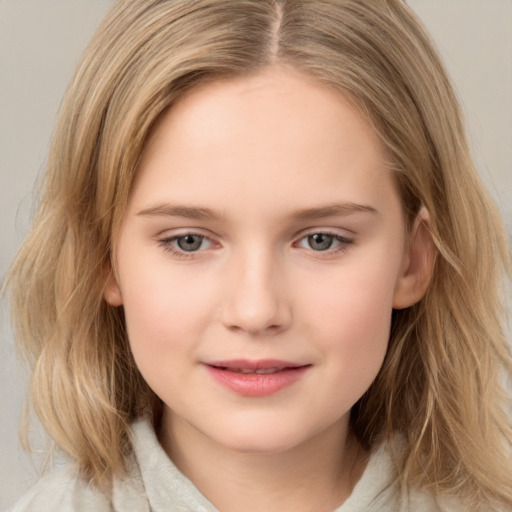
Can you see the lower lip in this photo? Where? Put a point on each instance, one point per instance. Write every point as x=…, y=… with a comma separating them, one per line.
x=257, y=384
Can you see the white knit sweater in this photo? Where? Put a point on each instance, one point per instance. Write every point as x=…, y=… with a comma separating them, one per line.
x=154, y=484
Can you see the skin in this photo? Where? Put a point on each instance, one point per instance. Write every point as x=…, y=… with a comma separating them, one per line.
x=264, y=160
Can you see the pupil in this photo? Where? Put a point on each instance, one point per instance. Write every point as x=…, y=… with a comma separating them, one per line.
x=189, y=242
x=320, y=241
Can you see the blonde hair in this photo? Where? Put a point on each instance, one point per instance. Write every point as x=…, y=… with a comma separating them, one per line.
x=439, y=387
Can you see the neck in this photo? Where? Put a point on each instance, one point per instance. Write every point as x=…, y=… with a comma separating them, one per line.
x=317, y=475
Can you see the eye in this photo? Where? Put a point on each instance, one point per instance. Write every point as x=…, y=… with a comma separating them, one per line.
x=190, y=243
x=323, y=242
x=320, y=241
x=186, y=243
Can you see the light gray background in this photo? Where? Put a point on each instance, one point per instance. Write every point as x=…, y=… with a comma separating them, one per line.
x=40, y=41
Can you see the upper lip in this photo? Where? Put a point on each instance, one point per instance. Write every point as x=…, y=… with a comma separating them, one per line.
x=253, y=365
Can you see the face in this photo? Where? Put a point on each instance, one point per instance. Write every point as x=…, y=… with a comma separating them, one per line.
x=261, y=255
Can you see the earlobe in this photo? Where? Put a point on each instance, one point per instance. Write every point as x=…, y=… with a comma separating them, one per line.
x=418, y=265
x=112, y=293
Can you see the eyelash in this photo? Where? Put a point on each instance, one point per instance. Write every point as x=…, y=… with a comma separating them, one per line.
x=167, y=243
x=343, y=242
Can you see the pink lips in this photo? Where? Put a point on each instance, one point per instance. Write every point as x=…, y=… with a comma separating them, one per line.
x=256, y=378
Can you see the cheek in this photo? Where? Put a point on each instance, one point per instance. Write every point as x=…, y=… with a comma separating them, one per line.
x=356, y=298
x=359, y=329
x=350, y=312
x=164, y=311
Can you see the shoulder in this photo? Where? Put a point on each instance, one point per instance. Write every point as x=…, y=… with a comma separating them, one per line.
x=65, y=491
x=424, y=501
x=378, y=490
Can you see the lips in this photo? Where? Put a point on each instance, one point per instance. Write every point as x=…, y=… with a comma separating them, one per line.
x=256, y=378
x=260, y=371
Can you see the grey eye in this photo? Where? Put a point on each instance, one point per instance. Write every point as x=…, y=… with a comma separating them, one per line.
x=320, y=241
x=189, y=243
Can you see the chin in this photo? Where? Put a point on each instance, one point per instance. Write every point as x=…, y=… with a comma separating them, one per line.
x=260, y=444
x=252, y=437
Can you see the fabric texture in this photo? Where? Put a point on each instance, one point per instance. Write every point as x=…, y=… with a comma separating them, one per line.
x=154, y=484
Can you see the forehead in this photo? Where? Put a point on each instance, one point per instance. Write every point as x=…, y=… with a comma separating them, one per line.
x=268, y=137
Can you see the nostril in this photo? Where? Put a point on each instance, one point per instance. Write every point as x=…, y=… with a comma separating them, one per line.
x=255, y=330
x=254, y=304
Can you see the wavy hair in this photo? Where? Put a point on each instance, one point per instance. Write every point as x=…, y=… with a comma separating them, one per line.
x=440, y=387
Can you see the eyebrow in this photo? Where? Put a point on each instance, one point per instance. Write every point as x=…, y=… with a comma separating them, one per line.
x=199, y=213
x=333, y=210
x=188, y=212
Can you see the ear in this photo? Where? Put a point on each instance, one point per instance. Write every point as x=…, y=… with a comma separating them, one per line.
x=419, y=256
x=112, y=293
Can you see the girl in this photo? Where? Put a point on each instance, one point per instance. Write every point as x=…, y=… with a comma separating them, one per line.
x=264, y=274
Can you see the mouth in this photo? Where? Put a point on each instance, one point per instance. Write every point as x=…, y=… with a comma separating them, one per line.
x=261, y=371
x=256, y=378
x=261, y=366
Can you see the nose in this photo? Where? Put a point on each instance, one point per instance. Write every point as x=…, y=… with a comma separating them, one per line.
x=256, y=300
